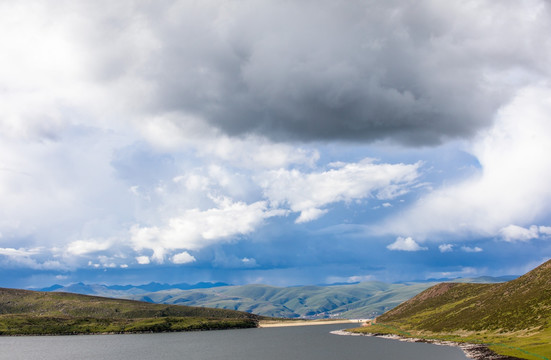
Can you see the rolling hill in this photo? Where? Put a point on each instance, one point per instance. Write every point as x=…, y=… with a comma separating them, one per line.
x=25, y=312
x=514, y=316
x=345, y=301
x=352, y=301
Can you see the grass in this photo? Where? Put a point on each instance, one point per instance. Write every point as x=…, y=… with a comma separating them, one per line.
x=512, y=318
x=25, y=312
x=533, y=345
x=44, y=325
x=347, y=301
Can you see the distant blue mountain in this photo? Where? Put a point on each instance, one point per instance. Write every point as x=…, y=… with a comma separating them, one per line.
x=119, y=290
x=345, y=300
x=51, y=288
x=479, y=279
x=155, y=286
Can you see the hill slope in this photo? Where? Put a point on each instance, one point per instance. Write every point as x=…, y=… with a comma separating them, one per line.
x=32, y=312
x=359, y=300
x=522, y=303
x=516, y=313
x=364, y=300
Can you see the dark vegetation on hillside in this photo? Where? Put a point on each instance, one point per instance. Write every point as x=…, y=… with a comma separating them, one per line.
x=37, y=313
x=512, y=318
x=523, y=303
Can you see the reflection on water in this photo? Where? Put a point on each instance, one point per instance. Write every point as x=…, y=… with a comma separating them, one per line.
x=305, y=343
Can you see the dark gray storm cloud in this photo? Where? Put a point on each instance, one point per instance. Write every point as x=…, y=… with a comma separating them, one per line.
x=417, y=73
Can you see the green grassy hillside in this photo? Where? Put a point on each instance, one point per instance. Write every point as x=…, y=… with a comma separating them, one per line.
x=32, y=312
x=362, y=300
x=515, y=316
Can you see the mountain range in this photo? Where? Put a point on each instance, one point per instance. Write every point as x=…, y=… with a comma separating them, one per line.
x=124, y=290
x=359, y=300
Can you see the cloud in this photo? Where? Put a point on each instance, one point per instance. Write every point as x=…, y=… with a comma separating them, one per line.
x=511, y=186
x=183, y=258
x=195, y=229
x=10, y=252
x=82, y=247
x=348, y=279
x=143, y=113
x=351, y=70
x=464, y=272
x=344, y=70
x=308, y=193
x=143, y=260
x=512, y=233
x=405, y=244
x=248, y=152
x=445, y=248
x=310, y=215
x=110, y=262
x=54, y=192
x=469, y=249
x=449, y=248
x=249, y=262
x=27, y=258
x=545, y=230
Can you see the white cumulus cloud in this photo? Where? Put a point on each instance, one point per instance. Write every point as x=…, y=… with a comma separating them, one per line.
x=511, y=187
x=143, y=260
x=249, y=262
x=27, y=258
x=469, y=249
x=173, y=131
x=445, y=248
x=545, y=230
x=405, y=244
x=195, y=229
x=183, y=258
x=512, y=233
x=11, y=252
x=309, y=193
x=81, y=247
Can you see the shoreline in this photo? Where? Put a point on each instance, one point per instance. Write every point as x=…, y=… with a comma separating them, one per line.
x=288, y=323
x=472, y=351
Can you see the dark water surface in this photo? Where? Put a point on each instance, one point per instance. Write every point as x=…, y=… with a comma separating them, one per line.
x=303, y=342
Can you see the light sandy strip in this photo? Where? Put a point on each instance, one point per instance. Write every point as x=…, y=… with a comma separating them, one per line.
x=284, y=323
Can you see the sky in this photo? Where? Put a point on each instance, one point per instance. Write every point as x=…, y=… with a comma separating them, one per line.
x=275, y=142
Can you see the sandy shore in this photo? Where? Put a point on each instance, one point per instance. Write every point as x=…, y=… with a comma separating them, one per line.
x=285, y=323
x=472, y=351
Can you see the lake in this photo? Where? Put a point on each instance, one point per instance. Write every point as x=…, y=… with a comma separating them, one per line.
x=303, y=342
